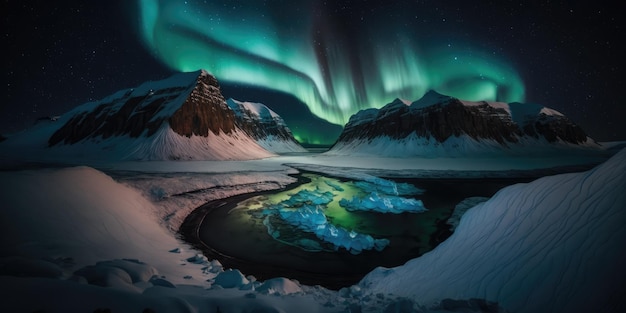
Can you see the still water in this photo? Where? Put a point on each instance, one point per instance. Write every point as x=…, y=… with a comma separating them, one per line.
x=236, y=232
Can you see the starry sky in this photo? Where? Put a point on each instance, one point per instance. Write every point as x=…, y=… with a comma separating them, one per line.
x=317, y=62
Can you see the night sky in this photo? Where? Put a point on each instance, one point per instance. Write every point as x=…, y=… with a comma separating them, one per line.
x=317, y=62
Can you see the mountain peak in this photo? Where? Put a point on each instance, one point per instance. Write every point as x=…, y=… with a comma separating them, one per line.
x=429, y=98
x=403, y=101
x=184, y=116
x=438, y=124
x=433, y=93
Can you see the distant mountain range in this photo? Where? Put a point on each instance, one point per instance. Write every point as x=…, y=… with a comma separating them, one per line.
x=184, y=117
x=440, y=125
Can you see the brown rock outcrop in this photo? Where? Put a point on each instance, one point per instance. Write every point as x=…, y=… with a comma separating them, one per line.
x=451, y=117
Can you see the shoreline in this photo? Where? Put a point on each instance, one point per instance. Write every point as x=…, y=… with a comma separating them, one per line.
x=334, y=278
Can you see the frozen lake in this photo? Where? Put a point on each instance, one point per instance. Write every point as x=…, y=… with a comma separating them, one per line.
x=235, y=230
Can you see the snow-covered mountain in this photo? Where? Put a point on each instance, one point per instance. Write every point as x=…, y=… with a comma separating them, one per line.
x=440, y=125
x=265, y=126
x=183, y=117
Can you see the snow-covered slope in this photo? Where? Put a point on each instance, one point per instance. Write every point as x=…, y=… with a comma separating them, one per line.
x=439, y=125
x=553, y=245
x=181, y=117
x=265, y=126
x=84, y=215
x=68, y=245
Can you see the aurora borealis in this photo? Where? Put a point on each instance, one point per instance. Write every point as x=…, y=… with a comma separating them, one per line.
x=314, y=61
x=294, y=47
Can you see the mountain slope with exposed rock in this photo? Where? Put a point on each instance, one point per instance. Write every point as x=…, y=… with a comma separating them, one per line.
x=439, y=125
x=183, y=117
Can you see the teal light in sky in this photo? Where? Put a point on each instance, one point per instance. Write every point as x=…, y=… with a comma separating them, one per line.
x=285, y=47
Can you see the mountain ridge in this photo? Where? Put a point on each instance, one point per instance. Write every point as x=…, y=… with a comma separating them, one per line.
x=437, y=124
x=182, y=117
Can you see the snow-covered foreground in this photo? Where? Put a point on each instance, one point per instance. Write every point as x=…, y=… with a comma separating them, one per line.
x=69, y=232
x=76, y=240
x=553, y=245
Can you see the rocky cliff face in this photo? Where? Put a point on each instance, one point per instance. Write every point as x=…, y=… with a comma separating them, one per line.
x=554, y=128
x=181, y=117
x=264, y=125
x=436, y=118
x=258, y=121
x=142, y=112
x=439, y=121
x=204, y=110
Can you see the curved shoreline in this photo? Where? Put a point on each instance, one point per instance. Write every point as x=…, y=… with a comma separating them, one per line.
x=332, y=270
x=347, y=269
x=190, y=232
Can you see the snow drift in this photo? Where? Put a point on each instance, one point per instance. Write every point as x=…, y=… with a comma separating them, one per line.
x=553, y=245
x=81, y=214
x=74, y=240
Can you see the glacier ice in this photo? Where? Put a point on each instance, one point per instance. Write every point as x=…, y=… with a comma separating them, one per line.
x=305, y=211
x=315, y=197
x=383, y=203
x=300, y=219
x=311, y=219
x=334, y=185
x=384, y=196
x=388, y=187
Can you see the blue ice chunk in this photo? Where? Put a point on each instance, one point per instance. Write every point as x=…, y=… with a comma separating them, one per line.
x=383, y=204
x=312, y=219
x=388, y=187
x=306, y=217
x=334, y=185
x=315, y=197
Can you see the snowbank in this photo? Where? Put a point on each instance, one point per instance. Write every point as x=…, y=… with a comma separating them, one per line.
x=75, y=240
x=77, y=234
x=459, y=147
x=175, y=195
x=83, y=215
x=552, y=245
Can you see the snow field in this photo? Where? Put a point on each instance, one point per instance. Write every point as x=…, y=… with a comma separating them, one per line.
x=552, y=245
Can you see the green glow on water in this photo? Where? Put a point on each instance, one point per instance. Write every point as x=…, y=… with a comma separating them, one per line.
x=335, y=213
x=406, y=231
x=362, y=222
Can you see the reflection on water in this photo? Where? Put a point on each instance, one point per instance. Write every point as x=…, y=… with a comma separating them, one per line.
x=286, y=233
x=320, y=215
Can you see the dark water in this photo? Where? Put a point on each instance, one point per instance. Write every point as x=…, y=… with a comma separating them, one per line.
x=230, y=231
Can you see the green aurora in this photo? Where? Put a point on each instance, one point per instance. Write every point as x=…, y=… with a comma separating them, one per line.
x=290, y=47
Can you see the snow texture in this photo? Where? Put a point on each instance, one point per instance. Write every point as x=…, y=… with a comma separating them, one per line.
x=70, y=215
x=165, y=144
x=553, y=245
x=68, y=245
x=65, y=237
x=260, y=112
x=461, y=208
x=458, y=147
x=175, y=195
